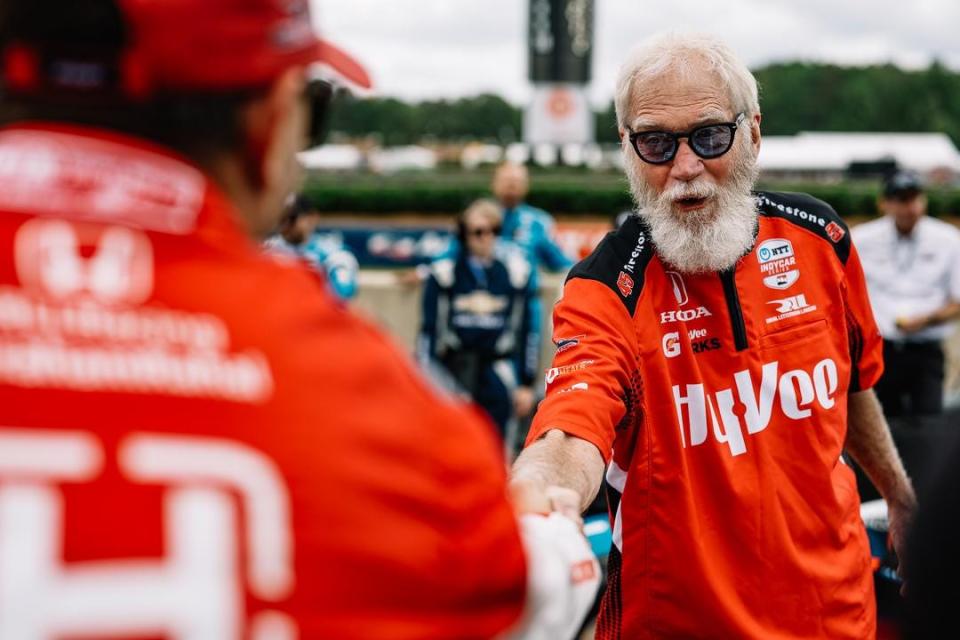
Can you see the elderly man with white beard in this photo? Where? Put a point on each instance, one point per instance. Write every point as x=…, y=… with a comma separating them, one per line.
x=715, y=355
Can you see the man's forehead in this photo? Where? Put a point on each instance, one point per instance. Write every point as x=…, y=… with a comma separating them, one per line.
x=511, y=171
x=478, y=217
x=679, y=101
x=678, y=117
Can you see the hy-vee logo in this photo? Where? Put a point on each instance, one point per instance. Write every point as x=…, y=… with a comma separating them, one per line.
x=796, y=391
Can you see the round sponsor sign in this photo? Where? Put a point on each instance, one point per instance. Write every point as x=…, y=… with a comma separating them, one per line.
x=560, y=104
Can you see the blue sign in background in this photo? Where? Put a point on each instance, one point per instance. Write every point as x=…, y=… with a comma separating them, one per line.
x=393, y=247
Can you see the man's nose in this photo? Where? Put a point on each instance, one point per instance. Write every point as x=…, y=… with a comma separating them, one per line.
x=686, y=164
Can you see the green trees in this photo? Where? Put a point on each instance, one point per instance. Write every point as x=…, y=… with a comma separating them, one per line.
x=485, y=118
x=799, y=96
x=794, y=96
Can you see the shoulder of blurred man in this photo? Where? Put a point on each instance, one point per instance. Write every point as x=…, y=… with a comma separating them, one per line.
x=939, y=230
x=529, y=215
x=443, y=270
x=871, y=230
x=200, y=256
x=349, y=409
x=516, y=262
x=202, y=262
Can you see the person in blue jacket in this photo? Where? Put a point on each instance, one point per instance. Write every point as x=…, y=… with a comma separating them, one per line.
x=529, y=227
x=325, y=252
x=477, y=318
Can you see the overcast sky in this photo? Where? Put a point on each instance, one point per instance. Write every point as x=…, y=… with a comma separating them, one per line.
x=417, y=49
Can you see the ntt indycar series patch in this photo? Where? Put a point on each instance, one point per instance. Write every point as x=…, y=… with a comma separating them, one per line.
x=720, y=403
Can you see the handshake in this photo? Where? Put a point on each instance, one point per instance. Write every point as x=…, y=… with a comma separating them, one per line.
x=563, y=574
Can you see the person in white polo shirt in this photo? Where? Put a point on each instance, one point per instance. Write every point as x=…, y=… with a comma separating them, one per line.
x=912, y=267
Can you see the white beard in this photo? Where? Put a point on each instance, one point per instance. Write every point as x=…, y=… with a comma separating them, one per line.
x=712, y=238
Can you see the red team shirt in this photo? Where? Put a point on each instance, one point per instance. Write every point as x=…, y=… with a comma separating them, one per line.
x=197, y=442
x=720, y=403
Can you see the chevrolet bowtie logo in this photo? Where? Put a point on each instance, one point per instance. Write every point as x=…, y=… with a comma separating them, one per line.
x=480, y=303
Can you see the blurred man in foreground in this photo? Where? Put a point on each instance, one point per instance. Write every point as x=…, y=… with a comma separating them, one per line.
x=717, y=353
x=196, y=441
x=912, y=267
x=476, y=318
x=325, y=253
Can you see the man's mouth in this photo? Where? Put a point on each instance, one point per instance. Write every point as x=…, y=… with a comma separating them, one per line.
x=689, y=204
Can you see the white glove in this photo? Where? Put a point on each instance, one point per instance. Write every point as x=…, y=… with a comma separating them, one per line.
x=563, y=576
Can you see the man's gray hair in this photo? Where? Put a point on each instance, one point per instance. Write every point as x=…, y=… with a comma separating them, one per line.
x=683, y=54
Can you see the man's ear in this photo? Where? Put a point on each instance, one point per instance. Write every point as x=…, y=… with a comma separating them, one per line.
x=265, y=120
x=755, y=132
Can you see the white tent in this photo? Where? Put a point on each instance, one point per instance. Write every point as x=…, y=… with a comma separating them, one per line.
x=389, y=160
x=332, y=157
x=834, y=152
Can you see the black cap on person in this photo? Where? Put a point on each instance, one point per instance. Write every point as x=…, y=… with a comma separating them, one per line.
x=902, y=184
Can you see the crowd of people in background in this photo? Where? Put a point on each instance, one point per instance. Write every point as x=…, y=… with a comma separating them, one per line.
x=482, y=316
x=482, y=313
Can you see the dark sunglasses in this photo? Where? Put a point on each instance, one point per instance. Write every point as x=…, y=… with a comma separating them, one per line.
x=318, y=94
x=709, y=141
x=479, y=232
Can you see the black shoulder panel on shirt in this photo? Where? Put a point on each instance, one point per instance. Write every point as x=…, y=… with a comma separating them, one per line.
x=619, y=262
x=811, y=214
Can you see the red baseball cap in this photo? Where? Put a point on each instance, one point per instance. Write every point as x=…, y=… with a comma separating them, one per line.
x=228, y=44
x=205, y=46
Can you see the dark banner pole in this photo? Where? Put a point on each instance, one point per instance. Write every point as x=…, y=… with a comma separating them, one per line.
x=560, y=41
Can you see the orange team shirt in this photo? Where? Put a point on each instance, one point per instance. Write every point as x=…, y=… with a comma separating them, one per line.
x=720, y=402
x=198, y=442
